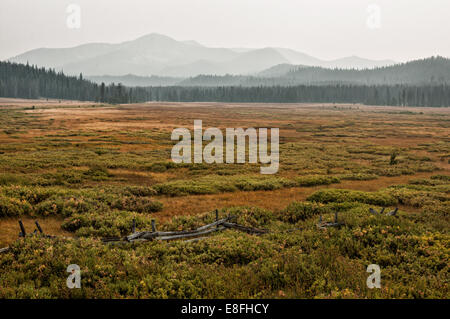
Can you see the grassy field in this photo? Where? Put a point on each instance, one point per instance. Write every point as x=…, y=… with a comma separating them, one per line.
x=86, y=170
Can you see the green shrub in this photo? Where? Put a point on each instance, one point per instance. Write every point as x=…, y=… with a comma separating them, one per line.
x=137, y=204
x=97, y=173
x=316, y=180
x=58, y=206
x=140, y=191
x=264, y=184
x=298, y=211
x=358, y=177
x=343, y=195
x=393, y=160
x=161, y=167
x=59, y=179
x=112, y=223
x=12, y=179
x=417, y=197
x=444, y=178
x=14, y=207
x=251, y=216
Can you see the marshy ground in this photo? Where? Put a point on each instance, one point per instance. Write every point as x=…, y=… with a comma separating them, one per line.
x=86, y=170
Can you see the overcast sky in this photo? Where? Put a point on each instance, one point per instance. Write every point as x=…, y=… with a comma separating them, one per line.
x=404, y=29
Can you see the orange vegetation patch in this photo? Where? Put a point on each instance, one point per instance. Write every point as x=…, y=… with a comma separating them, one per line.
x=273, y=200
x=380, y=125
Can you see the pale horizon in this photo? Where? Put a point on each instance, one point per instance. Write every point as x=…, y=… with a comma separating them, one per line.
x=406, y=30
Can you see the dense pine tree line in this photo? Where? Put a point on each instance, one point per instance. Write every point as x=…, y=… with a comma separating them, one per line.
x=398, y=95
x=30, y=82
x=24, y=81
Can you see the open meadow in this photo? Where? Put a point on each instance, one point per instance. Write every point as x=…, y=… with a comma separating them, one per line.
x=86, y=170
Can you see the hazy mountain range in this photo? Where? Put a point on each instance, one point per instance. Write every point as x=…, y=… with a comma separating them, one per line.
x=161, y=56
x=430, y=71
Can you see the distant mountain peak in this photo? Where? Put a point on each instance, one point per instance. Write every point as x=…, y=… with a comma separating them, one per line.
x=154, y=35
x=161, y=55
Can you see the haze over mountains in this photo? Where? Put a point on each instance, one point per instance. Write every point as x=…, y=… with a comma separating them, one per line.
x=162, y=56
x=158, y=60
x=430, y=71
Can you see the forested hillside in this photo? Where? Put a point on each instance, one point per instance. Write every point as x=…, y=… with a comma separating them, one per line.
x=24, y=81
x=431, y=71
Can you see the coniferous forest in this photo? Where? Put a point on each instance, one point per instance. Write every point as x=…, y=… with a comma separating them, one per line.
x=31, y=82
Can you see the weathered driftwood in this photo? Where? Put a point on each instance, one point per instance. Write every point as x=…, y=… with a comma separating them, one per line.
x=391, y=213
x=157, y=234
x=195, y=234
x=329, y=224
x=135, y=236
x=218, y=225
x=4, y=250
x=187, y=232
x=217, y=222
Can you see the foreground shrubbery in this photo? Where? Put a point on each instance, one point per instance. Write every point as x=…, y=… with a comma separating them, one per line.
x=294, y=260
x=287, y=262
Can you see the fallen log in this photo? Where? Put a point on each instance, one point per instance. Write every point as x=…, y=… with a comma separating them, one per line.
x=218, y=225
x=155, y=234
x=218, y=222
x=135, y=236
x=329, y=224
x=194, y=234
